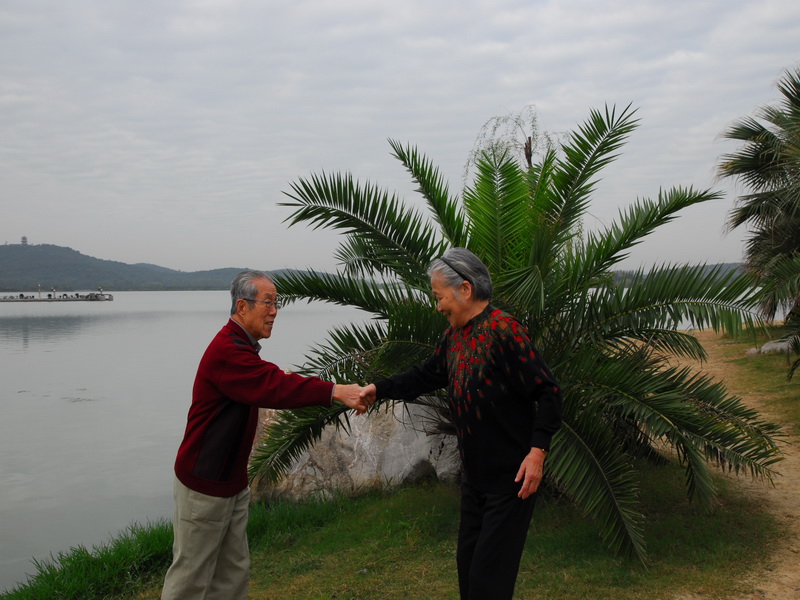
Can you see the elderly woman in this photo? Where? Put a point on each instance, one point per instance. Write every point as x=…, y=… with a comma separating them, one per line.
x=505, y=405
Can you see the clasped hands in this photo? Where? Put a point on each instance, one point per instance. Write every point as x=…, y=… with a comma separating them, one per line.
x=355, y=396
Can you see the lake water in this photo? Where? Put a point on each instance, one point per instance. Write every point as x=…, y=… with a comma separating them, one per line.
x=94, y=400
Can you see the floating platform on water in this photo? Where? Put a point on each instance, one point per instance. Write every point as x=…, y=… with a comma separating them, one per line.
x=90, y=297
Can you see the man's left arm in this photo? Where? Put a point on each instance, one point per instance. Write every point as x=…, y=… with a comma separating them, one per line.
x=247, y=378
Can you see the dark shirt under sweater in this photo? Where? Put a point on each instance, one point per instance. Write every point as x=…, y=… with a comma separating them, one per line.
x=503, y=398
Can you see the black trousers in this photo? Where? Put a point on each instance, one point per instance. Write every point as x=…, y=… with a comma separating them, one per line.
x=491, y=538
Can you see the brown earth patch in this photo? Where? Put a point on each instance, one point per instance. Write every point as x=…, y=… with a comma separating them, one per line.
x=780, y=578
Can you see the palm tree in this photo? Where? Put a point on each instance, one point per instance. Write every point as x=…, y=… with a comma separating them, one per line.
x=768, y=163
x=786, y=284
x=609, y=346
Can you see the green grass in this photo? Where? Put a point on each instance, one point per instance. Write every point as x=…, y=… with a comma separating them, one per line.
x=564, y=557
x=402, y=544
x=130, y=562
x=765, y=377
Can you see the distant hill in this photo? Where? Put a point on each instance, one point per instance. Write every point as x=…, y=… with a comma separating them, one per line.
x=23, y=267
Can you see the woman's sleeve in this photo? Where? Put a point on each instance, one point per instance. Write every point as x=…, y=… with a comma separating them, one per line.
x=418, y=380
x=536, y=382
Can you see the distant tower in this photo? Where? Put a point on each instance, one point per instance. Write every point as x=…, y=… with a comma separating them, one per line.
x=24, y=240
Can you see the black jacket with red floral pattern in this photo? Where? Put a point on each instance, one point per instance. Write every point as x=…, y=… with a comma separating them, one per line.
x=503, y=398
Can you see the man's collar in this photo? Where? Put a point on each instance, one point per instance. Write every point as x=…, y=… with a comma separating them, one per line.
x=253, y=341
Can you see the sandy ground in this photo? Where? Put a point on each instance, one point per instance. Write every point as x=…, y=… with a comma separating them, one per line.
x=781, y=578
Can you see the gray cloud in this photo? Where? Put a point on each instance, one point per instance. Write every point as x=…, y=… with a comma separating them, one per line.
x=166, y=132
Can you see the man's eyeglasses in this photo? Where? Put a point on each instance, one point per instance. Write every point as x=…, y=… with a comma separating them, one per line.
x=276, y=304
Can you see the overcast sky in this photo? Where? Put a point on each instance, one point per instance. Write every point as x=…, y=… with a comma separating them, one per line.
x=166, y=131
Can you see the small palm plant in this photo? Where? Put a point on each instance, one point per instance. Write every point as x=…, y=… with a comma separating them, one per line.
x=609, y=345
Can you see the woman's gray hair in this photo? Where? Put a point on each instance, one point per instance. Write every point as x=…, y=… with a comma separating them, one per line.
x=459, y=264
x=243, y=288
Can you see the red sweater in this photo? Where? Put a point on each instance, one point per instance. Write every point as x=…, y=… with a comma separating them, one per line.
x=232, y=382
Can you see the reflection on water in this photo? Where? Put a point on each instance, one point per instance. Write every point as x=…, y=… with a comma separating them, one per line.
x=94, y=399
x=18, y=332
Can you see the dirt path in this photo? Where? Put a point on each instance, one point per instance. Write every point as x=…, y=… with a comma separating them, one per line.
x=781, y=578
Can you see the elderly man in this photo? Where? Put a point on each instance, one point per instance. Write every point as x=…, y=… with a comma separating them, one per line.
x=211, y=558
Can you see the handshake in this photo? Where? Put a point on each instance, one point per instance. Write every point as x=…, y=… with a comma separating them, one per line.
x=355, y=396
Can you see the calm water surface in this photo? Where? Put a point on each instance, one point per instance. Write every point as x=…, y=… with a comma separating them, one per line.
x=94, y=400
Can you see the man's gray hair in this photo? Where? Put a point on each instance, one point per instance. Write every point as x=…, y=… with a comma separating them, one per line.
x=243, y=288
x=459, y=264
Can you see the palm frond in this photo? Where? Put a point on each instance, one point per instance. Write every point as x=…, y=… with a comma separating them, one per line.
x=667, y=298
x=368, y=295
x=447, y=211
x=289, y=435
x=413, y=334
x=496, y=217
x=631, y=388
x=587, y=151
x=785, y=280
x=402, y=241
x=691, y=412
x=587, y=466
x=348, y=354
x=523, y=289
x=357, y=257
x=369, y=351
x=731, y=434
x=660, y=340
x=543, y=200
x=784, y=288
x=604, y=249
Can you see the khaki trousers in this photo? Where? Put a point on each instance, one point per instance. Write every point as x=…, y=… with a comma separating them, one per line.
x=210, y=555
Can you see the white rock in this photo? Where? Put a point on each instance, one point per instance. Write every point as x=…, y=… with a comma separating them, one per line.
x=383, y=449
x=776, y=347
x=771, y=347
